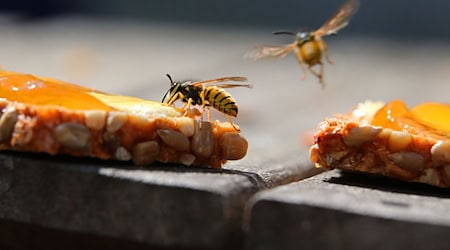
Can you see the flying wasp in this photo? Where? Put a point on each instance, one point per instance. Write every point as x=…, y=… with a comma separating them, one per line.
x=308, y=46
x=196, y=93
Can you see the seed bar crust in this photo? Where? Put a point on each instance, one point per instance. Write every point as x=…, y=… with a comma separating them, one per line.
x=350, y=143
x=118, y=135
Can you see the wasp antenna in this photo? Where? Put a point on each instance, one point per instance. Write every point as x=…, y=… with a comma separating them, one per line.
x=284, y=33
x=170, y=78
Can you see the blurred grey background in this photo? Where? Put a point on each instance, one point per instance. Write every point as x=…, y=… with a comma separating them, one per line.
x=407, y=19
x=390, y=50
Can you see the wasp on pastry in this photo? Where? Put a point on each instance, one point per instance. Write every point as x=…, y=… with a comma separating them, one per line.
x=208, y=93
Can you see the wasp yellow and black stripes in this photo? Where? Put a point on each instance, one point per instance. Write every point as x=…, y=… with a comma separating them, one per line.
x=220, y=100
x=214, y=95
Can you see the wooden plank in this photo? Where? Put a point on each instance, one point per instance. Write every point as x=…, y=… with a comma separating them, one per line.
x=350, y=211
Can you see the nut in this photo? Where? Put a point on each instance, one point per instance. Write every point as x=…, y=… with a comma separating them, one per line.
x=440, y=152
x=73, y=135
x=7, y=123
x=23, y=130
x=447, y=171
x=174, y=139
x=95, y=119
x=359, y=135
x=145, y=153
x=185, y=125
x=187, y=159
x=430, y=176
x=338, y=155
x=122, y=154
x=202, y=142
x=314, y=153
x=110, y=140
x=233, y=145
x=411, y=161
x=115, y=121
x=385, y=133
x=398, y=141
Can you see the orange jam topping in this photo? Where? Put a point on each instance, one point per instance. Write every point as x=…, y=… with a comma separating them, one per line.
x=34, y=90
x=427, y=119
x=30, y=89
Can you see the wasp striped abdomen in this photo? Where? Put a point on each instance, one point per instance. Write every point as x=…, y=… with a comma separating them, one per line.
x=221, y=100
x=310, y=52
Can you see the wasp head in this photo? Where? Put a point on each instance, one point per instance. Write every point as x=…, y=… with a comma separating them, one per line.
x=172, y=91
x=304, y=36
x=301, y=37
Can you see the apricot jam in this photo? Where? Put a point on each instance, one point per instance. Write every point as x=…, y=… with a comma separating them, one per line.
x=427, y=119
x=30, y=89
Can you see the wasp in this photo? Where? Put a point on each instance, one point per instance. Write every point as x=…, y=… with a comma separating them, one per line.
x=197, y=93
x=309, y=46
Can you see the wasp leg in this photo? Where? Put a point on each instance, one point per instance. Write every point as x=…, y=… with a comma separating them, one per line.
x=323, y=46
x=202, y=97
x=318, y=74
x=232, y=124
x=208, y=114
x=202, y=115
x=328, y=56
x=173, y=99
x=186, y=107
x=302, y=64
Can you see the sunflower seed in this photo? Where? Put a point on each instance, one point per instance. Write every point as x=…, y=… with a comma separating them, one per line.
x=145, y=153
x=73, y=135
x=7, y=123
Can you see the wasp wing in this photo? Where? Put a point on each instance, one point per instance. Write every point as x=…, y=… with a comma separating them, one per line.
x=339, y=20
x=222, y=79
x=234, y=85
x=270, y=51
